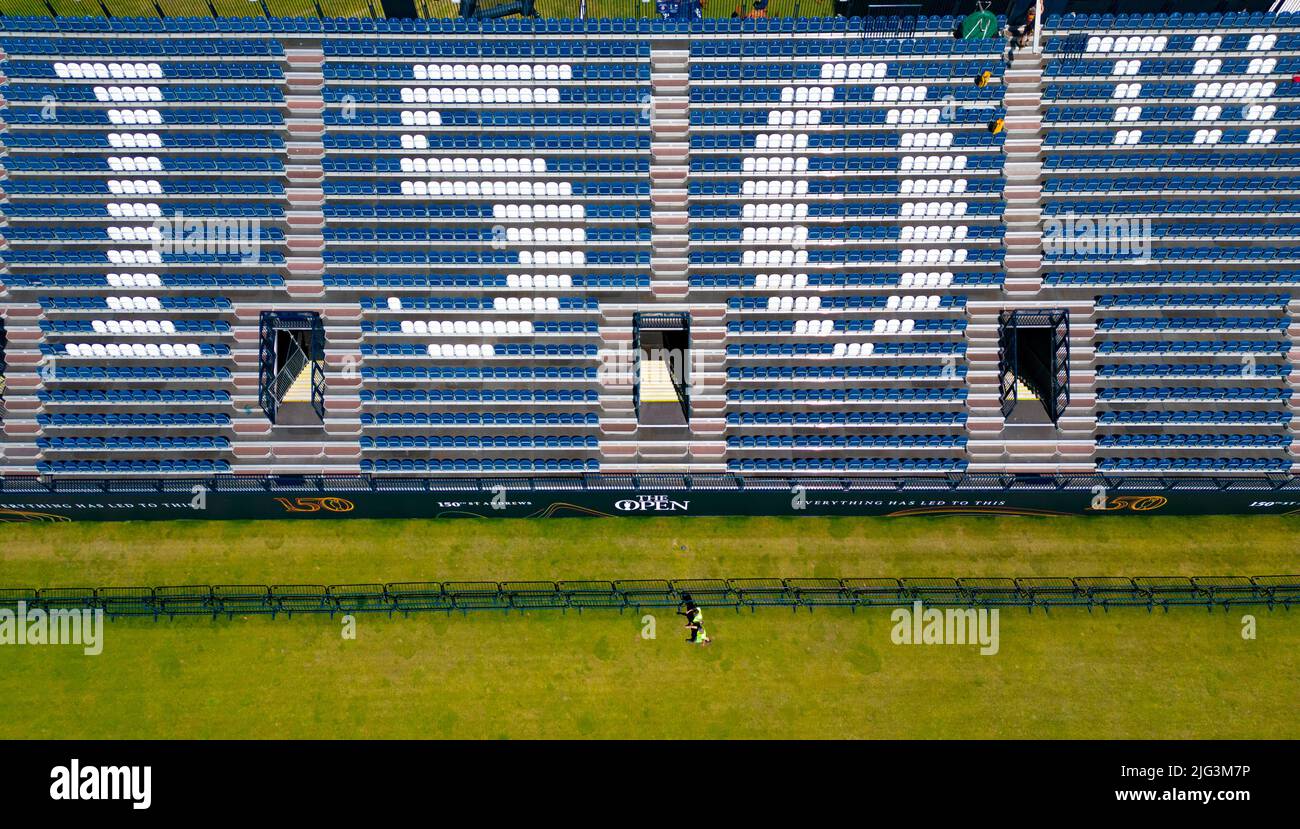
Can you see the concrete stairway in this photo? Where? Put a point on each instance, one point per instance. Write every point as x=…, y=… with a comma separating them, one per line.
x=626, y=444
x=300, y=390
x=1024, y=174
x=304, y=444
x=304, y=109
x=1027, y=441
x=669, y=109
x=23, y=372
x=657, y=383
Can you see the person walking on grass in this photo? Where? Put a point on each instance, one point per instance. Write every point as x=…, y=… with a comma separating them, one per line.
x=689, y=609
x=694, y=621
x=698, y=635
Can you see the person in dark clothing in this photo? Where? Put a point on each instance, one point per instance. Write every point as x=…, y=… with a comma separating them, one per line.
x=688, y=607
x=694, y=617
x=1025, y=32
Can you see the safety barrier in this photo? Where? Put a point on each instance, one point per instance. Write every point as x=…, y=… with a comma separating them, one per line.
x=408, y=597
x=659, y=482
x=247, y=497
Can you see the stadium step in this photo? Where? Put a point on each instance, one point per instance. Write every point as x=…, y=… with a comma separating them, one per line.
x=669, y=173
x=25, y=370
x=304, y=108
x=670, y=290
x=657, y=383
x=304, y=175
x=305, y=220
x=305, y=244
x=309, y=106
x=669, y=152
x=303, y=81
x=300, y=390
x=305, y=266
x=1023, y=172
x=18, y=429
x=669, y=170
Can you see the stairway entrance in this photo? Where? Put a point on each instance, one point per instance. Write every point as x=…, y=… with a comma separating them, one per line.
x=1034, y=364
x=661, y=393
x=291, y=367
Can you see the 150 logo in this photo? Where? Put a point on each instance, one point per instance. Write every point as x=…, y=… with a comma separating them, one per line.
x=1133, y=503
x=327, y=504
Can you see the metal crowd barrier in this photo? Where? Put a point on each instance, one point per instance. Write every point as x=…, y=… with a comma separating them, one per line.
x=1047, y=592
x=657, y=483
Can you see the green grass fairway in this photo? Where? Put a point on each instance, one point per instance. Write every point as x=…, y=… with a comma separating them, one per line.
x=331, y=551
x=827, y=674
x=831, y=673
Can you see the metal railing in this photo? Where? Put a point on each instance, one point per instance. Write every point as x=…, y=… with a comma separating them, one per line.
x=293, y=367
x=659, y=482
x=900, y=25
x=1091, y=592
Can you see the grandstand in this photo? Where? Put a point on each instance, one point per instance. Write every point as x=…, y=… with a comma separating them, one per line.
x=534, y=247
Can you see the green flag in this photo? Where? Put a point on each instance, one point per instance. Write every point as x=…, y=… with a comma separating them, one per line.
x=978, y=25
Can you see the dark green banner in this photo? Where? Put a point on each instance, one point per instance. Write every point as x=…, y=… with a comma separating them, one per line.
x=200, y=501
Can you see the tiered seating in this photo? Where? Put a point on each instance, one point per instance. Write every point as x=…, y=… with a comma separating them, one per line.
x=846, y=195
x=488, y=214
x=144, y=184
x=482, y=195
x=1170, y=164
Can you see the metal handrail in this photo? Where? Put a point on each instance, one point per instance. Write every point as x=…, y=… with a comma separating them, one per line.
x=293, y=367
x=983, y=482
x=1104, y=592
